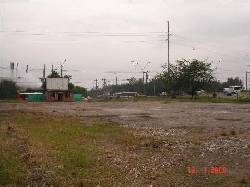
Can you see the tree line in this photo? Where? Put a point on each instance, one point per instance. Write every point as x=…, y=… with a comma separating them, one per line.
x=186, y=76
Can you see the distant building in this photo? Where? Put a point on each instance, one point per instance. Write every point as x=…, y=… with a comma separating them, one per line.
x=57, y=89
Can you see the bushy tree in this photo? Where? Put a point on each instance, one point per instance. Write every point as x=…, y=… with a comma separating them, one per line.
x=184, y=76
x=8, y=89
x=80, y=90
x=54, y=74
x=234, y=81
x=195, y=75
x=188, y=76
x=171, y=78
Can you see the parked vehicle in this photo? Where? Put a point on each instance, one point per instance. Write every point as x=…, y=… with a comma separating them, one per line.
x=232, y=90
x=125, y=94
x=200, y=92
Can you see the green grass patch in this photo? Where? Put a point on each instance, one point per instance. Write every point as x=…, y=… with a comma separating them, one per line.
x=74, y=158
x=71, y=152
x=205, y=99
x=73, y=149
x=12, y=101
x=214, y=100
x=244, y=100
x=11, y=168
x=201, y=99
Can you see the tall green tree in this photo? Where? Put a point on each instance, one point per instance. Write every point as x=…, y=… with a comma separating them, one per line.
x=234, y=81
x=195, y=75
x=171, y=78
x=188, y=76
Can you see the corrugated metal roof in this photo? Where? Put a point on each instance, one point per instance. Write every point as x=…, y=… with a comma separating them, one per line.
x=33, y=93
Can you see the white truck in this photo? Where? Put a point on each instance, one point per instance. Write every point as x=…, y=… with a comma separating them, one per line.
x=232, y=90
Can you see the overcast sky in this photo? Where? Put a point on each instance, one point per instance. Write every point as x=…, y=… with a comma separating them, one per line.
x=96, y=36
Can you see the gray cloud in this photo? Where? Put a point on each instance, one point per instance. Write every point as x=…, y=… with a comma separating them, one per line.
x=94, y=35
x=14, y=1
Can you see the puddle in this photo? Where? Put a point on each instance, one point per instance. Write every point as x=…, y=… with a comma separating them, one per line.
x=223, y=112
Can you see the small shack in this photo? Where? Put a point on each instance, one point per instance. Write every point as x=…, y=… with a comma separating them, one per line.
x=57, y=89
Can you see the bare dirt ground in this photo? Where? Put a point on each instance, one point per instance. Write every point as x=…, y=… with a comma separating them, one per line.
x=190, y=139
x=151, y=114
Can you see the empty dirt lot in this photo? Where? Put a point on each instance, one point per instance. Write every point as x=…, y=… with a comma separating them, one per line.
x=180, y=143
x=188, y=115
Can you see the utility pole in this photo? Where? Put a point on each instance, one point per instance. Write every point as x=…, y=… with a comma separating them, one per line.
x=143, y=76
x=62, y=67
x=168, y=47
x=247, y=79
x=61, y=71
x=16, y=70
x=96, y=84
x=27, y=68
x=104, y=82
x=154, y=86
x=146, y=76
x=115, y=73
x=12, y=67
x=143, y=70
x=44, y=72
x=52, y=70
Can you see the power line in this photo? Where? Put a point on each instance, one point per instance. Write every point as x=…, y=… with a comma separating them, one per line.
x=25, y=32
x=200, y=43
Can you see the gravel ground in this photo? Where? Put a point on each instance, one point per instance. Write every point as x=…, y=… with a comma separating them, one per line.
x=150, y=114
x=185, y=134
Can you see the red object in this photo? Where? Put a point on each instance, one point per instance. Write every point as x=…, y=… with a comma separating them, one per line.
x=192, y=169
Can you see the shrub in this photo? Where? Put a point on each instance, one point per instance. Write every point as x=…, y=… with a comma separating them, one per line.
x=8, y=89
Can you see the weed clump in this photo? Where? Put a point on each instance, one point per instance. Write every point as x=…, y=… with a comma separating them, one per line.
x=233, y=132
x=223, y=134
x=243, y=181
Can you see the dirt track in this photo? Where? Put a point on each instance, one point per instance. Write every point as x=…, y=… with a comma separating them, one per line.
x=151, y=114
